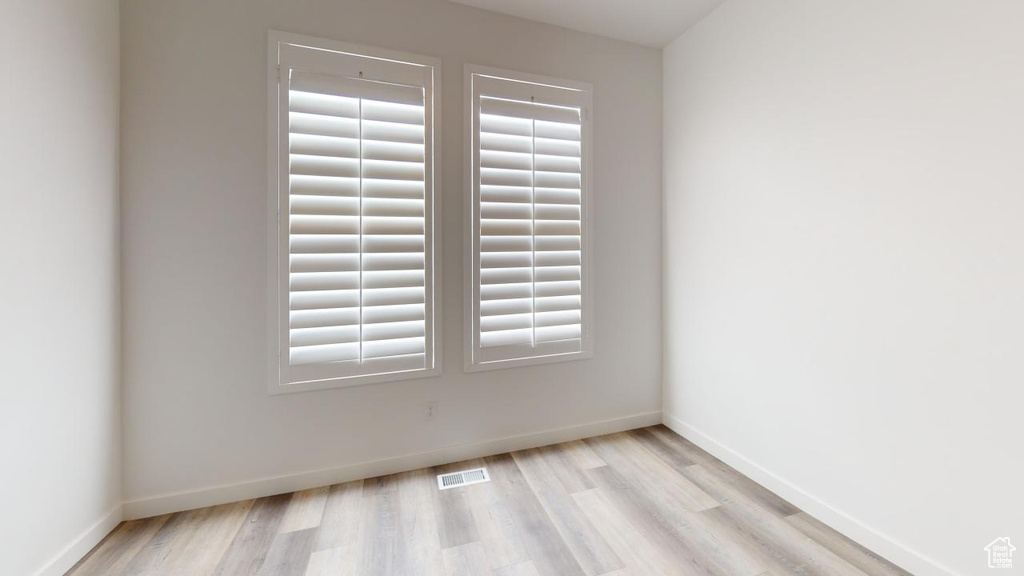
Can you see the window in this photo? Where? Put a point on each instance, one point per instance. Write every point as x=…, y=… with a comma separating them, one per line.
x=527, y=291
x=352, y=211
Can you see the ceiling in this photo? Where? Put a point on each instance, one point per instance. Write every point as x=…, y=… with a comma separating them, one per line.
x=649, y=22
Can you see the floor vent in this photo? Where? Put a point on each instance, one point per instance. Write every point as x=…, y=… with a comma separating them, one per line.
x=464, y=478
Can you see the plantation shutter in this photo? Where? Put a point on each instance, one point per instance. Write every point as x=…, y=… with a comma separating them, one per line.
x=357, y=257
x=528, y=254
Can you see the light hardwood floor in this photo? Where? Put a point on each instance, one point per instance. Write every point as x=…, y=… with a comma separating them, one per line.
x=638, y=503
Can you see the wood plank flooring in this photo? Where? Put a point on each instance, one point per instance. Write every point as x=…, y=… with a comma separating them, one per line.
x=638, y=503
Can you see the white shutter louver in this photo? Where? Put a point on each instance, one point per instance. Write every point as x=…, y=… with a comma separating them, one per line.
x=528, y=256
x=355, y=194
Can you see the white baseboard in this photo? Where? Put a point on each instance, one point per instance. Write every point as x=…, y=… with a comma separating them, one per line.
x=81, y=546
x=897, y=553
x=213, y=496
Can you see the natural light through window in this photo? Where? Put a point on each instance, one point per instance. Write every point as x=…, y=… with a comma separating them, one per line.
x=354, y=194
x=528, y=259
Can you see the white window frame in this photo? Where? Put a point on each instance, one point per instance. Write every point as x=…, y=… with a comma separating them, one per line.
x=277, y=206
x=585, y=92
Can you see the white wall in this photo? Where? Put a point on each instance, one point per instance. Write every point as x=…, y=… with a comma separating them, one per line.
x=197, y=413
x=844, y=261
x=60, y=438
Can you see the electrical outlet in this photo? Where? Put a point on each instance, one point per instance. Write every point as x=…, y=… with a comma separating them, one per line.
x=430, y=409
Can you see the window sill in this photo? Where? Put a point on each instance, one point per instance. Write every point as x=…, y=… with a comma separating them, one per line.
x=275, y=388
x=531, y=361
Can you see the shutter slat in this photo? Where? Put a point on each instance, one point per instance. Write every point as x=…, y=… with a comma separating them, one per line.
x=394, y=243
x=557, y=196
x=397, y=151
x=506, y=227
x=509, y=160
x=397, y=347
x=549, y=163
x=392, y=189
x=392, y=225
x=511, y=306
x=559, y=258
x=557, y=131
x=557, y=227
x=324, y=335
x=558, y=243
x=323, y=243
x=559, y=318
x=556, y=303
x=300, y=282
x=393, y=296
x=489, y=123
x=558, y=212
x=323, y=186
x=514, y=194
x=568, y=288
x=506, y=260
x=394, y=313
x=391, y=170
x=506, y=338
x=392, y=132
x=319, y=299
x=506, y=143
x=324, y=205
x=393, y=261
x=506, y=291
x=320, y=354
x=394, y=279
x=504, y=177
x=506, y=211
x=556, y=180
x=324, y=262
x=317, y=145
x=302, y=165
x=557, y=273
x=322, y=125
x=506, y=322
x=323, y=317
x=394, y=330
x=506, y=244
x=393, y=112
x=396, y=207
x=505, y=275
x=322, y=104
x=556, y=333
x=550, y=147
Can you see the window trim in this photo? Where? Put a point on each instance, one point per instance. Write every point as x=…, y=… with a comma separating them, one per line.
x=587, y=209
x=277, y=282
